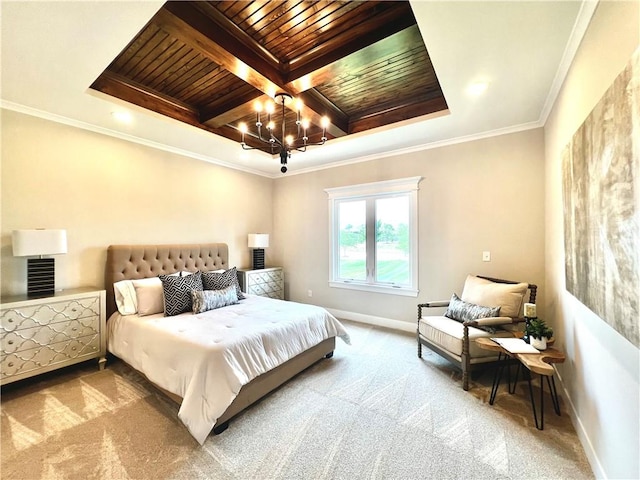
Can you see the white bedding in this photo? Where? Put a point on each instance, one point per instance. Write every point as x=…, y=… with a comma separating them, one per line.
x=207, y=358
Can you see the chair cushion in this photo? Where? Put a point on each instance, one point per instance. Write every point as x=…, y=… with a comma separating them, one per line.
x=509, y=297
x=447, y=334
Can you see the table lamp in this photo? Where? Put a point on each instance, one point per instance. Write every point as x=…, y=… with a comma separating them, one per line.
x=36, y=243
x=258, y=242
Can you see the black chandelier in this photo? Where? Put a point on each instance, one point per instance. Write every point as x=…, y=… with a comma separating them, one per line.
x=286, y=142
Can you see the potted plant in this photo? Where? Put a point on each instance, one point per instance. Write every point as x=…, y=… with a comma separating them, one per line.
x=538, y=333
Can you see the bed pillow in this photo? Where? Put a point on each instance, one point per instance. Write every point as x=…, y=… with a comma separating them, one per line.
x=125, y=294
x=177, y=292
x=464, y=311
x=204, y=300
x=218, y=281
x=149, y=297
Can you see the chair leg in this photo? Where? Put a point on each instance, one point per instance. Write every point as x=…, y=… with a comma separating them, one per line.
x=419, y=349
x=465, y=359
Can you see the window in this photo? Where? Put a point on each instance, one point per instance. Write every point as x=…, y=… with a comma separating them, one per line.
x=374, y=236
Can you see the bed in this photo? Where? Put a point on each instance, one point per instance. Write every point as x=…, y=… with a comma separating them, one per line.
x=214, y=363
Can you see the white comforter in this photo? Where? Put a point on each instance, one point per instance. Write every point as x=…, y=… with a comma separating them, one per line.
x=207, y=358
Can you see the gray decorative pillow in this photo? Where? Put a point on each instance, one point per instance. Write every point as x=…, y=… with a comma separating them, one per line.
x=177, y=292
x=204, y=300
x=218, y=281
x=463, y=311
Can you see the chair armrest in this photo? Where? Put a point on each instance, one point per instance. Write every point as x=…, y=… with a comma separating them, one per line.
x=489, y=321
x=441, y=303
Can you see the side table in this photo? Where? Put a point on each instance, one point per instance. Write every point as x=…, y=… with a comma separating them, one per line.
x=539, y=363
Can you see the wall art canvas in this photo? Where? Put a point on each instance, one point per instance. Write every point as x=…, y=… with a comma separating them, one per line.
x=601, y=195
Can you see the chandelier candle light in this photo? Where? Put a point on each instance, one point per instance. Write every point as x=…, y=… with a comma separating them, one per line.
x=286, y=142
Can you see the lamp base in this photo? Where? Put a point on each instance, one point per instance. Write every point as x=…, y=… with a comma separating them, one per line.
x=41, y=277
x=258, y=258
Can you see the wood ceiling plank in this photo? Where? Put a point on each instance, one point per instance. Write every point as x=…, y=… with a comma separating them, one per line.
x=274, y=20
x=304, y=24
x=120, y=63
x=172, y=53
x=167, y=82
x=332, y=46
x=351, y=62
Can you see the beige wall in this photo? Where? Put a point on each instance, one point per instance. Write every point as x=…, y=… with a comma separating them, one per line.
x=104, y=191
x=601, y=373
x=476, y=196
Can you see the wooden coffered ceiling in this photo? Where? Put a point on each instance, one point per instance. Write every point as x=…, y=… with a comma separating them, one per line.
x=362, y=64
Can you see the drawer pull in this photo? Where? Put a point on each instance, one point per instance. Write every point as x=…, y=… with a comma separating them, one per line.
x=10, y=342
x=74, y=329
x=73, y=348
x=10, y=320
x=11, y=364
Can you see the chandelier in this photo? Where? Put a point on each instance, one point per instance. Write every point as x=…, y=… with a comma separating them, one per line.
x=285, y=142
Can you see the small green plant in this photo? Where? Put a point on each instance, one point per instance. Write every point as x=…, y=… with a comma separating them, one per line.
x=537, y=328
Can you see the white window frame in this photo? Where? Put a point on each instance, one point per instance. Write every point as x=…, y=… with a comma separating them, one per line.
x=372, y=191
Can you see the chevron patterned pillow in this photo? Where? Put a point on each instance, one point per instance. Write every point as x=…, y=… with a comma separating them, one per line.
x=218, y=281
x=177, y=292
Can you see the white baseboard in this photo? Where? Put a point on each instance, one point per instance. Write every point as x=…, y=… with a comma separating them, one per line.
x=373, y=320
x=589, y=451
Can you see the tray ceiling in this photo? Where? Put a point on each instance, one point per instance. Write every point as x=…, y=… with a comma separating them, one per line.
x=363, y=64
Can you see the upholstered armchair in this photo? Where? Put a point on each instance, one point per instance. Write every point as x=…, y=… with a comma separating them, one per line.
x=488, y=307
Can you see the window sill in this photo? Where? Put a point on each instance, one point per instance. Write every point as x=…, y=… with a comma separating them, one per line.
x=402, y=291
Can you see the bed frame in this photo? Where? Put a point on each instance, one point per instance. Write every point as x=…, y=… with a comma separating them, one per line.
x=130, y=262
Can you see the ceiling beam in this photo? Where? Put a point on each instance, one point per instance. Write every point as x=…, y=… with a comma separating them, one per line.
x=317, y=106
x=231, y=111
x=121, y=87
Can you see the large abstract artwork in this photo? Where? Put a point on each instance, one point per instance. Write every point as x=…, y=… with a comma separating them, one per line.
x=601, y=193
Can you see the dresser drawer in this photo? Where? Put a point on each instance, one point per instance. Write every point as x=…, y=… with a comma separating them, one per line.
x=35, y=359
x=266, y=290
x=47, y=313
x=273, y=277
x=28, y=338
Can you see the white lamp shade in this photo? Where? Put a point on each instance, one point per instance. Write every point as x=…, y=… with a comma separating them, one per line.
x=38, y=242
x=258, y=240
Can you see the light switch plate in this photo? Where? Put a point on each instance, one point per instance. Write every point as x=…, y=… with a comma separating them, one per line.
x=486, y=256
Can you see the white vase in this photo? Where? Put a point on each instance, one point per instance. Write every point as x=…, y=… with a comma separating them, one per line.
x=539, y=343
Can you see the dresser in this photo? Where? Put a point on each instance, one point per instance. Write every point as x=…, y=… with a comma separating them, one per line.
x=38, y=335
x=266, y=282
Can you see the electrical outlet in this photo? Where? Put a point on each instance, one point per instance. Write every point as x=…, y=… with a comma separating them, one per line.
x=309, y=293
x=486, y=256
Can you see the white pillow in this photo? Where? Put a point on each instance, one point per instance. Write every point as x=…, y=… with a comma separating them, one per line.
x=149, y=296
x=126, y=300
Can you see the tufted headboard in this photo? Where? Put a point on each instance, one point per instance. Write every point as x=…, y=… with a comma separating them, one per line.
x=130, y=262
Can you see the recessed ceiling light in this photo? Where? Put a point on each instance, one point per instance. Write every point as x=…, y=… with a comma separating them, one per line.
x=122, y=116
x=477, y=88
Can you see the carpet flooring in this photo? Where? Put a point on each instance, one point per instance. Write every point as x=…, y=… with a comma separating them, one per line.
x=373, y=411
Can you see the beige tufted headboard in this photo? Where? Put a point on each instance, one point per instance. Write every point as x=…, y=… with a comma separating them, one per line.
x=129, y=262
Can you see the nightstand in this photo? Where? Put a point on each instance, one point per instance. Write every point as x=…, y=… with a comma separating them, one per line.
x=38, y=335
x=266, y=282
